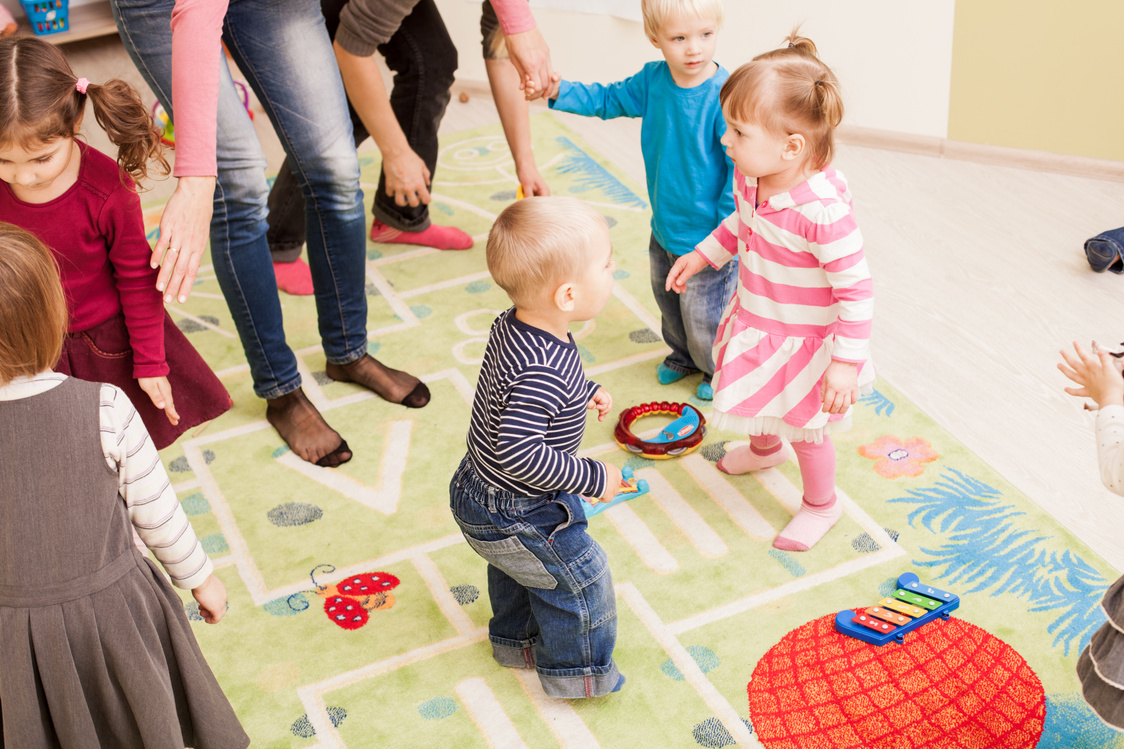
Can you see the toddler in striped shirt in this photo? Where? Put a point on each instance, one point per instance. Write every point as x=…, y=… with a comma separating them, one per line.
x=516, y=493
x=792, y=351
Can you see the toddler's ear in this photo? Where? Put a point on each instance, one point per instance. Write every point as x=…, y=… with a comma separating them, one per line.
x=565, y=297
x=655, y=44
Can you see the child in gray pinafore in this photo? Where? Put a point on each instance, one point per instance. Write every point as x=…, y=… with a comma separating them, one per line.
x=95, y=647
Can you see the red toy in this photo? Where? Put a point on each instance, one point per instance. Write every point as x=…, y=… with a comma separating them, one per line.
x=678, y=438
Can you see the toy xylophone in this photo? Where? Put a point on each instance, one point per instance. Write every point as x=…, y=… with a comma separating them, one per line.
x=912, y=605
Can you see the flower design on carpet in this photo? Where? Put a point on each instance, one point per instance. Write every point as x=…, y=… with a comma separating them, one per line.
x=896, y=458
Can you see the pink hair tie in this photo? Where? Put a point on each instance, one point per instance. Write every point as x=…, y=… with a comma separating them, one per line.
x=81, y=85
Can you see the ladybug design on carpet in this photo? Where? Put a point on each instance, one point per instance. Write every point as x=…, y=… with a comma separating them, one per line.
x=349, y=603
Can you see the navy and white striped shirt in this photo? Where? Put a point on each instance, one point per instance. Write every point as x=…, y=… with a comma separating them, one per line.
x=528, y=416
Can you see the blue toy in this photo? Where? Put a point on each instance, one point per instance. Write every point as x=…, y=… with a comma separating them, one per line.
x=912, y=605
x=630, y=489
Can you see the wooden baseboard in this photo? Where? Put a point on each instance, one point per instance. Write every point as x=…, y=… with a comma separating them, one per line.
x=1019, y=158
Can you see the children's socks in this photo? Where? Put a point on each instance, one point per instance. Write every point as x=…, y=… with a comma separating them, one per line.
x=705, y=392
x=437, y=237
x=820, y=509
x=761, y=453
x=293, y=278
x=666, y=375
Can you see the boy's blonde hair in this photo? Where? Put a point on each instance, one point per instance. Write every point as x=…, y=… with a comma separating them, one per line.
x=33, y=316
x=787, y=91
x=656, y=13
x=539, y=243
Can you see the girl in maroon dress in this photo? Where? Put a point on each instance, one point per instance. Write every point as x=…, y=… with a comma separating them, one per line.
x=85, y=208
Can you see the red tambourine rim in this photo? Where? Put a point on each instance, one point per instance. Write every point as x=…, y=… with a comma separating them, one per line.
x=626, y=439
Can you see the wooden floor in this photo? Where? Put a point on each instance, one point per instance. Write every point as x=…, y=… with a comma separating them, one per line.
x=979, y=280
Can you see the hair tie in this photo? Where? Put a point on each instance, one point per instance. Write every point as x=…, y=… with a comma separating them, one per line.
x=791, y=45
x=818, y=83
x=81, y=84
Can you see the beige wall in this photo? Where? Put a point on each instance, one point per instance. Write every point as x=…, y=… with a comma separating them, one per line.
x=1042, y=75
x=893, y=57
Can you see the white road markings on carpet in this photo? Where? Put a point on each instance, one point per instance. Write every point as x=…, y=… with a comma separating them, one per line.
x=568, y=728
x=726, y=495
x=384, y=496
x=312, y=695
x=439, y=589
x=451, y=283
x=640, y=537
x=488, y=714
x=726, y=713
x=637, y=309
x=705, y=540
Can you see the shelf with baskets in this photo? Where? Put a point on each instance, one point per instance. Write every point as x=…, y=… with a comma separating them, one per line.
x=86, y=21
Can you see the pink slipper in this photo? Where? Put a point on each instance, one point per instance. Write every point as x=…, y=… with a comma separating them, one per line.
x=294, y=278
x=437, y=237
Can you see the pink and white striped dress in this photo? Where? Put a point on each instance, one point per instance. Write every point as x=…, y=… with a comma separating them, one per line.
x=804, y=297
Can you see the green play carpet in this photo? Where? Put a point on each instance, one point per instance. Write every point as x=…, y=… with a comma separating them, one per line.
x=702, y=595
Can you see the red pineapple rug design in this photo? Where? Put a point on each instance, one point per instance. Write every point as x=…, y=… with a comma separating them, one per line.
x=951, y=685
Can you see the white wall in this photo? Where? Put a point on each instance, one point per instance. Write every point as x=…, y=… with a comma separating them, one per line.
x=894, y=59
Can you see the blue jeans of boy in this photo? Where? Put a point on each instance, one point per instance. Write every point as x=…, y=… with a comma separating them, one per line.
x=553, y=604
x=690, y=320
x=282, y=48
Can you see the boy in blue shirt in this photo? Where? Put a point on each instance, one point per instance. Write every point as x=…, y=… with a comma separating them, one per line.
x=515, y=494
x=690, y=178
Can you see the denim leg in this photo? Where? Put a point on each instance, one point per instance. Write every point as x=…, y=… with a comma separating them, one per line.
x=671, y=317
x=702, y=304
x=238, y=249
x=549, y=571
x=513, y=628
x=288, y=61
x=424, y=59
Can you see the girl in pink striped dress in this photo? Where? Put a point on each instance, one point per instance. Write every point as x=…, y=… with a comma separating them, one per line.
x=792, y=351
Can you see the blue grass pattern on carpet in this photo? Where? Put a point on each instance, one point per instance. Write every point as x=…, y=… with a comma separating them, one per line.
x=589, y=175
x=986, y=551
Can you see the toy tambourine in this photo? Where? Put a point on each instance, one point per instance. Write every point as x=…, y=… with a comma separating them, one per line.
x=677, y=438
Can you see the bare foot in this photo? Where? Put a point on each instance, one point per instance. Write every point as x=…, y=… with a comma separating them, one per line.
x=389, y=384
x=305, y=431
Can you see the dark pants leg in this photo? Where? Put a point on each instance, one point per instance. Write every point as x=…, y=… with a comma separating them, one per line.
x=423, y=59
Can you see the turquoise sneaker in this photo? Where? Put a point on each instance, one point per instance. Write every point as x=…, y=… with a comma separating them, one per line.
x=705, y=392
x=666, y=375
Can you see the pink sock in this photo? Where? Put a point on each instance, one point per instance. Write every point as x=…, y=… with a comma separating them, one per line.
x=766, y=451
x=294, y=278
x=438, y=237
x=820, y=510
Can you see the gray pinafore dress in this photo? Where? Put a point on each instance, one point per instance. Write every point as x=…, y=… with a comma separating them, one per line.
x=1101, y=665
x=95, y=647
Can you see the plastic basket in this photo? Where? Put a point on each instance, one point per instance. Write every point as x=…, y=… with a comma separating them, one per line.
x=47, y=16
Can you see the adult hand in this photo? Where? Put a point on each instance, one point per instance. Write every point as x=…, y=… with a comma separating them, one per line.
x=407, y=178
x=532, y=182
x=685, y=267
x=531, y=56
x=840, y=386
x=1096, y=375
x=159, y=391
x=211, y=595
x=184, y=229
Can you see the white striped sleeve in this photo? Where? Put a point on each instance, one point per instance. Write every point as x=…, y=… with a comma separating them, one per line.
x=147, y=491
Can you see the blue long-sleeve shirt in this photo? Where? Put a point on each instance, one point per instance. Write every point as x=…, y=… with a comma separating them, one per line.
x=528, y=416
x=690, y=178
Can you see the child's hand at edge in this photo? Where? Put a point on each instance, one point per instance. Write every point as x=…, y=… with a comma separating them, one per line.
x=603, y=402
x=211, y=595
x=1095, y=374
x=613, y=480
x=159, y=391
x=839, y=388
x=685, y=267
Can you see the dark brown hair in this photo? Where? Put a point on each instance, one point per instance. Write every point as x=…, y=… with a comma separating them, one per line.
x=788, y=91
x=33, y=315
x=40, y=101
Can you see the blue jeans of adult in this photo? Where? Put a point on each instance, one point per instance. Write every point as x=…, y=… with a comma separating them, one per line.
x=553, y=605
x=424, y=59
x=283, y=50
x=690, y=320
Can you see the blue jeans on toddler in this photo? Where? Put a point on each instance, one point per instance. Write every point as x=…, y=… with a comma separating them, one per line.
x=690, y=320
x=553, y=604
